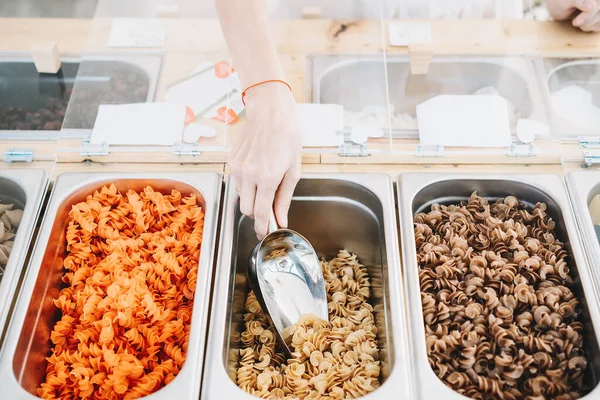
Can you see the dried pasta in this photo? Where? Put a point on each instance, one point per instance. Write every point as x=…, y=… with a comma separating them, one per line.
x=9, y=223
x=335, y=359
x=130, y=275
x=501, y=319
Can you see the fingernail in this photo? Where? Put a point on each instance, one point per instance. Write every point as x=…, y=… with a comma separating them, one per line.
x=284, y=222
x=578, y=21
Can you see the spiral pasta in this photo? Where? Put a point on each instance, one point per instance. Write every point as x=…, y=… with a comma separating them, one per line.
x=130, y=275
x=335, y=359
x=9, y=223
x=501, y=319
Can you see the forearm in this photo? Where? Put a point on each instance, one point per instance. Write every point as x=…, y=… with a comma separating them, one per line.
x=246, y=30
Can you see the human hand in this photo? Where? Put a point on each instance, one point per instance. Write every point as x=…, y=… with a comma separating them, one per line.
x=266, y=161
x=584, y=13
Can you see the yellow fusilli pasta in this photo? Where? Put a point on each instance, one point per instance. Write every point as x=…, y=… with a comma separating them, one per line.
x=334, y=359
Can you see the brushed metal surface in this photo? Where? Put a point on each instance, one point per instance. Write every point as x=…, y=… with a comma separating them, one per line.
x=336, y=211
x=583, y=187
x=418, y=191
x=27, y=188
x=22, y=360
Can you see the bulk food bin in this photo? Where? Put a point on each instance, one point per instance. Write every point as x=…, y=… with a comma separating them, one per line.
x=42, y=104
x=418, y=191
x=26, y=189
x=334, y=212
x=332, y=79
x=22, y=361
x=583, y=187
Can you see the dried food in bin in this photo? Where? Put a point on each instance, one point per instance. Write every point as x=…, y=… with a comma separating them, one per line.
x=130, y=277
x=9, y=223
x=501, y=318
x=337, y=358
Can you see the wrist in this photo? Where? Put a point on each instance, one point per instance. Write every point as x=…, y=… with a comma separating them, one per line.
x=269, y=93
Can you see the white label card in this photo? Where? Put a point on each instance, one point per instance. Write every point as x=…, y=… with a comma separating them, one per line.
x=405, y=33
x=159, y=124
x=464, y=121
x=137, y=32
x=322, y=125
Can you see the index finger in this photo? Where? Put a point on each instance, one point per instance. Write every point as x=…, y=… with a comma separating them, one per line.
x=263, y=208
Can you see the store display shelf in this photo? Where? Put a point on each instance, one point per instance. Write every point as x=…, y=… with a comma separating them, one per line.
x=26, y=189
x=352, y=212
x=418, y=191
x=22, y=360
x=583, y=187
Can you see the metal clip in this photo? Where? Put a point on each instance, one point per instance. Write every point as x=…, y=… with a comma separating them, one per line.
x=18, y=155
x=353, y=150
x=522, y=150
x=87, y=149
x=590, y=158
x=429, y=151
x=180, y=149
x=589, y=142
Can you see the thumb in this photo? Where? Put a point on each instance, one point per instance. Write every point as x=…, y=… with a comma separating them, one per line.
x=283, y=197
x=564, y=9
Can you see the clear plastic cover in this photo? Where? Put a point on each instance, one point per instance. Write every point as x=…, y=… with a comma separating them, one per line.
x=146, y=51
x=571, y=89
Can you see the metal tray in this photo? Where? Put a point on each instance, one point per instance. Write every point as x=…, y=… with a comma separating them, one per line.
x=418, y=191
x=27, y=188
x=332, y=80
x=32, y=91
x=22, y=361
x=583, y=187
x=355, y=212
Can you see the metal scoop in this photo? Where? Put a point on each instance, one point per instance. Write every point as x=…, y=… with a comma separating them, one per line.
x=285, y=274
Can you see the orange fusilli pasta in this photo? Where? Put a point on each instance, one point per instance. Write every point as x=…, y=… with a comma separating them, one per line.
x=130, y=275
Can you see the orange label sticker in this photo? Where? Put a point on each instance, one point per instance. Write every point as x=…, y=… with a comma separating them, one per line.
x=226, y=115
x=189, y=116
x=223, y=69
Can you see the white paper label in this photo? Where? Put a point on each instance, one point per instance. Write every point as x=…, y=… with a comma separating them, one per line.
x=464, y=121
x=321, y=124
x=405, y=33
x=137, y=32
x=159, y=124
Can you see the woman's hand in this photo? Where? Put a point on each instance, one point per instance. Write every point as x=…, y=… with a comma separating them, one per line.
x=266, y=161
x=584, y=13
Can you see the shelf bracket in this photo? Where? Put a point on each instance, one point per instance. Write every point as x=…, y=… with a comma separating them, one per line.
x=87, y=149
x=589, y=142
x=429, y=151
x=180, y=149
x=18, y=155
x=522, y=150
x=590, y=159
x=353, y=150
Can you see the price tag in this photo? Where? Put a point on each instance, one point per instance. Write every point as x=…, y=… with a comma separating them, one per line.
x=405, y=33
x=137, y=32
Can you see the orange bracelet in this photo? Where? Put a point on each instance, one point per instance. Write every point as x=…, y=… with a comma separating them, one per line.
x=262, y=83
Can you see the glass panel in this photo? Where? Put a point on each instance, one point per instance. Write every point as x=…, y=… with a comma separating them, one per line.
x=572, y=93
x=478, y=76
x=31, y=103
x=128, y=61
x=332, y=52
